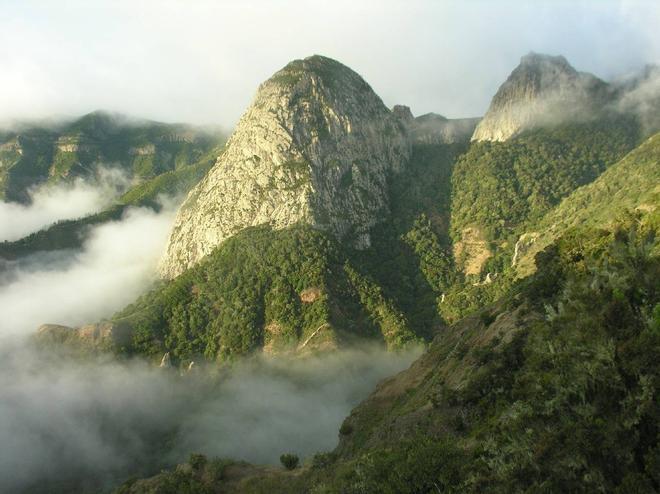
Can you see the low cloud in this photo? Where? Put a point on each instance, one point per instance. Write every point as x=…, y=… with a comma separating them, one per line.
x=49, y=204
x=268, y=407
x=70, y=425
x=643, y=97
x=66, y=425
x=116, y=264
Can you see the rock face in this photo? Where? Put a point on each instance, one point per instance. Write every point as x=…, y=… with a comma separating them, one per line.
x=523, y=244
x=316, y=146
x=542, y=90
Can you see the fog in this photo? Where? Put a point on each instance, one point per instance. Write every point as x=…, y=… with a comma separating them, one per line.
x=51, y=203
x=116, y=263
x=66, y=422
x=643, y=97
x=69, y=423
x=202, y=61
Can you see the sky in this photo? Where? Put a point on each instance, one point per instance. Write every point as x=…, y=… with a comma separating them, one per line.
x=201, y=61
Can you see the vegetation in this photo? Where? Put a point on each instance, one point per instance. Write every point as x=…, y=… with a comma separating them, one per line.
x=289, y=461
x=286, y=290
x=198, y=476
x=34, y=155
x=503, y=186
x=559, y=392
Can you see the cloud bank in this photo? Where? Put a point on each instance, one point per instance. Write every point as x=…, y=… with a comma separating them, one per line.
x=66, y=425
x=49, y=204
x=69, y=424
x=116, y=264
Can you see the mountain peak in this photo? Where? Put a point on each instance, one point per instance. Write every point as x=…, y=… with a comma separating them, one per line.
x=541, y=59
x=541, y=90
x=315, y=147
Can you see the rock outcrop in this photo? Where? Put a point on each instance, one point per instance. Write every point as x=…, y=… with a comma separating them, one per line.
x=91, y=335
x=316, y=146
x=542, y=90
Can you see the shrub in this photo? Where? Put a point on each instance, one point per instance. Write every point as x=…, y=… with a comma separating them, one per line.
x=289, y=461
x=345, y=429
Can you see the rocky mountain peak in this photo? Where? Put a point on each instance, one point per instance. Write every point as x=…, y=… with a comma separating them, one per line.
x=315, y=146
x=541, y=90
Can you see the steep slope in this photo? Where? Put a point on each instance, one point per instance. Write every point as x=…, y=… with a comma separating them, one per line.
x=32, y=155
x=291, y=290
x=552, y=389
x=316, y=146
x=499, y=188
x=632, y=184
x=297, y=289
x=543, y=90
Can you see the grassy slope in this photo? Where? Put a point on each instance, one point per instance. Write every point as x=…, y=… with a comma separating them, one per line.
x=552, y=389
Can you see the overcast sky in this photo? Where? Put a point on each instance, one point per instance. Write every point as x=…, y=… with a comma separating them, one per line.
x=200, y=61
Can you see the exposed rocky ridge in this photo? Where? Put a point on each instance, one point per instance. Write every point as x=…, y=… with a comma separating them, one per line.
x=316, y=146
x=542, y=90
x=432, y=128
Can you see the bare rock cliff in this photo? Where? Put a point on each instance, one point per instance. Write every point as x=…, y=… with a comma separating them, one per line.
x=316, y=146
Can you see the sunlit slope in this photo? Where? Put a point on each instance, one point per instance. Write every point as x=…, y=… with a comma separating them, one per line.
x=500, y=187
x=632, y=184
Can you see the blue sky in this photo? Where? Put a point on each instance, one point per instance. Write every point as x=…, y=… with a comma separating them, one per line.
x=201, y=61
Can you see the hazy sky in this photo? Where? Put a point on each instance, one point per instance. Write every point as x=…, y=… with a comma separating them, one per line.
x=201, y=61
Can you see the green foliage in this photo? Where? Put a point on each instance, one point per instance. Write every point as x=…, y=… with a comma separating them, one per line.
x=250, y=292
x=501, y=186
x=289, y=461
x=577, y=407
x=345, y=429
x=392, y=323
x=434, y=262
x=420, y=465
x=567, y=402
x=198, y=476
x=143, y=149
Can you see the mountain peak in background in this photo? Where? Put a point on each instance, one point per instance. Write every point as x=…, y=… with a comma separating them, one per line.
x=541, y=90
x=315, y=147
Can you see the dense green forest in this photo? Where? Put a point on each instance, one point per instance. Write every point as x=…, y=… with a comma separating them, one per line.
x=286, y=290
x=500, y=187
